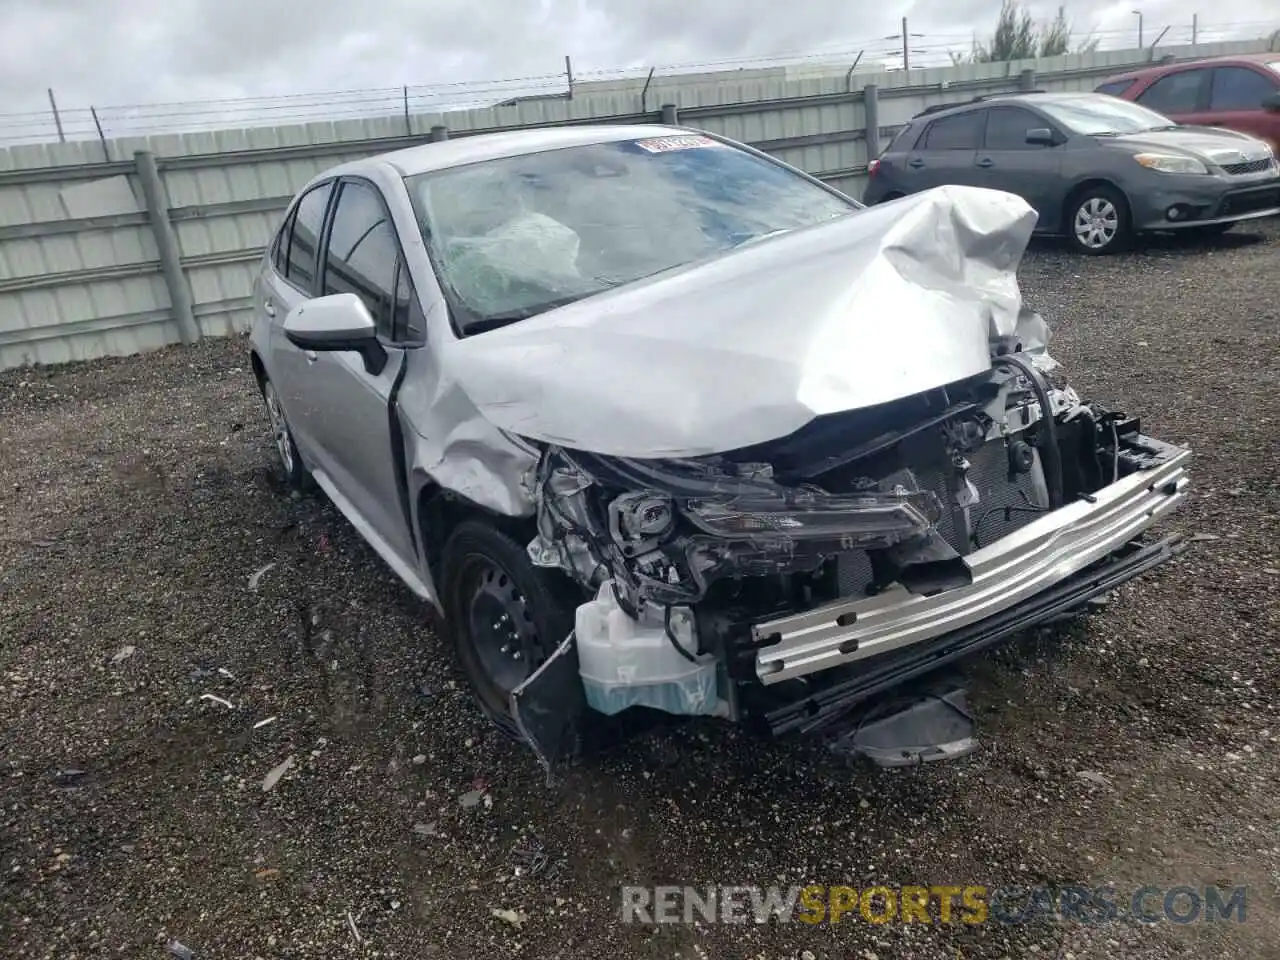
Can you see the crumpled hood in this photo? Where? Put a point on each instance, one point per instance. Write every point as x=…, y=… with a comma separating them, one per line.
x=754, y=344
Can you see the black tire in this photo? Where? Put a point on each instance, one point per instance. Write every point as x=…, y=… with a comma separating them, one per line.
x=486, y=574
x=1110, y=227
x=296, y=476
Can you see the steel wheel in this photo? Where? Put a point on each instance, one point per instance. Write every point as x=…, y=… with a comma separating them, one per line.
x=504, y=616
x=1097, y=223
x=500, y=624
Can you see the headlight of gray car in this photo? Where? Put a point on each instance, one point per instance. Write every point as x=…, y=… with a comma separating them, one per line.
x=1170, y=163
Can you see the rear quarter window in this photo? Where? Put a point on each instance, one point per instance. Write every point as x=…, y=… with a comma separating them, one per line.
x=1115, y=88
x=901, y=140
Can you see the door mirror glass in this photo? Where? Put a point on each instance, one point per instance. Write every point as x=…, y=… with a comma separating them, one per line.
x=340, y=321
x=1041, y=137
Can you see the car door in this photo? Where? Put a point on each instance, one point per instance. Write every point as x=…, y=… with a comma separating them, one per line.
x=945, y=151
x=356, y=460
x=1236, y=95
x=291, y=280
x=1031, y=170
x=1182, y=95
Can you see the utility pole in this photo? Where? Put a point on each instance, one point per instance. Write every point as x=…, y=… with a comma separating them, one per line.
x=1138, y=14
x=1195, y=27
x=57, y=120
x=905, y=37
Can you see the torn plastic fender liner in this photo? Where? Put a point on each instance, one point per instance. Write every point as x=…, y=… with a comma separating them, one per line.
x=549, y=708
x=753, y=344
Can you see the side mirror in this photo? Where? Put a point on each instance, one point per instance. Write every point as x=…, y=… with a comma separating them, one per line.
x=339, y=321
x=1271, y=102
x=1041, y=137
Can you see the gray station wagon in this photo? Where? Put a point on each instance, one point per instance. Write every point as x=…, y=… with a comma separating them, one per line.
x=1096, y=169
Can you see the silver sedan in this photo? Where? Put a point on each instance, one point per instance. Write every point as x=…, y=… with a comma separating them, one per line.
x=655, y=420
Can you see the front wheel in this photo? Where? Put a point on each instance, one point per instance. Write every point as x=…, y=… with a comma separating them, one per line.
x=1098, y=221
x=505, y=615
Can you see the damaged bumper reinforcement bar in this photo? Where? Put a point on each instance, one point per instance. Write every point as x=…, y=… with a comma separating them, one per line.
x=823, y=708
x=1005, y=574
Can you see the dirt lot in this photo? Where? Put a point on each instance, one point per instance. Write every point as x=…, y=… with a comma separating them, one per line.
x=137, y=498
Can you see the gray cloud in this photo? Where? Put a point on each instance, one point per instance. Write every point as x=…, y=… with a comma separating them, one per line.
x=148, y=51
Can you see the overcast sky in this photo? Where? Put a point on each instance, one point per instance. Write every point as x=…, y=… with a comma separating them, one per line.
x=117, y=52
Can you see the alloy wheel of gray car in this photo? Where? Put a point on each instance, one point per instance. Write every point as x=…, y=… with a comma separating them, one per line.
x=1099, y=221
x=295, y=473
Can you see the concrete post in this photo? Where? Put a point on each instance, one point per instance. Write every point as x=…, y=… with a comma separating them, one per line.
x=167, y=245
x=671, y=114
x=1027, y=79
x=438, y=132
x=871, y=123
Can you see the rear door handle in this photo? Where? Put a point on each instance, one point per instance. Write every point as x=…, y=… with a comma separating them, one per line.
x=311, y=356
x=269, y=307
x=915, y=162
x=986, y=162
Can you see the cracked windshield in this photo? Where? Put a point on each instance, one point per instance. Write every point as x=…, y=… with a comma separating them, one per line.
x=520, y=235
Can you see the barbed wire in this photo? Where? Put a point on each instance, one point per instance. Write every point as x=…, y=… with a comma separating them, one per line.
x=205, y=115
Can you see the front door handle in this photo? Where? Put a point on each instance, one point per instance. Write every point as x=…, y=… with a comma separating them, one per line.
x=986, y=162
x=311, y=356
x=915, y=162
x=269, y=307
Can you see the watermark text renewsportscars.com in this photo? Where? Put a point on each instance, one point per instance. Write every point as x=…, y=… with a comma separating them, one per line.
x=936, y=904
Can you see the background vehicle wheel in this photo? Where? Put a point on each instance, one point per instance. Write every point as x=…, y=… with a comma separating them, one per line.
x=295, y=474
x=1098, y=221
x=505, y=615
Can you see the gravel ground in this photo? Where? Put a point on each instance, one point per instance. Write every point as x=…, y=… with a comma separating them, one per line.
x=139, y=496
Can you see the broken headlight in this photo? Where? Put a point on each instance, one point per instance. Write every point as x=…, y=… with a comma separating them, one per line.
x=862, y=521
x=641, y=516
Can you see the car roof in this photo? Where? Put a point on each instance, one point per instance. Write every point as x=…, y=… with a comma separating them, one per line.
x=1024, y=98
x=1158, y=69
x=442, y=154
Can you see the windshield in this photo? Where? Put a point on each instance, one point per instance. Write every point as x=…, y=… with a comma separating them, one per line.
x=1102, y=115
x=519, y=235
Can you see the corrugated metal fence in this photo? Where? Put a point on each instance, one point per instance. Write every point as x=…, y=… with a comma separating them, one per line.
x=114, y=247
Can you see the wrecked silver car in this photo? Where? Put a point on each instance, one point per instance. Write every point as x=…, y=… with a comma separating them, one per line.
x=657, y=421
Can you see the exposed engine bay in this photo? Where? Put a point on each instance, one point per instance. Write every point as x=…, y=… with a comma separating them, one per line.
x=697, y=558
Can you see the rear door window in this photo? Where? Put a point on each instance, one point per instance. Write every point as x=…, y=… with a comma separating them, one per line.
x=1239, y=88
x=1176, y=93
x=960, y=132
x=1007, y=128
x=304, y=238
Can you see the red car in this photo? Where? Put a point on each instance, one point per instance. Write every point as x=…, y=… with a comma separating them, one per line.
x=1240, y=93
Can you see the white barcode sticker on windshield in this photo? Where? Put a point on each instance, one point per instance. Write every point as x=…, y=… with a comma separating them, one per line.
x=690, y=141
